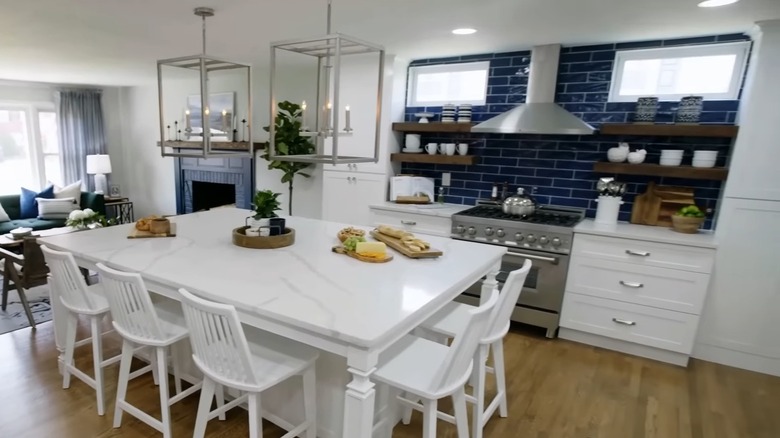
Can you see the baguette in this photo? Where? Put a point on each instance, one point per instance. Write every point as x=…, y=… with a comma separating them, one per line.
x=392, y=232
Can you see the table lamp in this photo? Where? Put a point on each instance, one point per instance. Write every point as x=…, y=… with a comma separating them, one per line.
x=99, y=165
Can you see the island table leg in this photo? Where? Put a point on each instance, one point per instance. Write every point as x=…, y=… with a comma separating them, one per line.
x=359, y=400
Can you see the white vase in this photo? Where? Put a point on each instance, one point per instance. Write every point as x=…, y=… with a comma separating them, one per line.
x=637, y=157
x=257, y=223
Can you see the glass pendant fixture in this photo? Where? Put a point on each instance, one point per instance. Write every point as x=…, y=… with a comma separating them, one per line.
x=329, y=53
x=205, y=104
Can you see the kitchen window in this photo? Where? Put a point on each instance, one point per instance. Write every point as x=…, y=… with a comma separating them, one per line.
x=29, y=147
x=671, y=73
x=436, y=85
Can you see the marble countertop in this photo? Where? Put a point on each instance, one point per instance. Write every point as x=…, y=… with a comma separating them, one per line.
x=304, y=285
x=438, y=210
x=704, y=239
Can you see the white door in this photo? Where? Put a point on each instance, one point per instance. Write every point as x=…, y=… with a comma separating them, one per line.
x=743, y=303
x=347, y=196
x=756, y=157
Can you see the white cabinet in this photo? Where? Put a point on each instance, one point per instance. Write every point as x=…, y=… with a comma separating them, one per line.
x=740, y=322
x=347, y=195
x=412, y=222
x=635, y=296
x=753, y=171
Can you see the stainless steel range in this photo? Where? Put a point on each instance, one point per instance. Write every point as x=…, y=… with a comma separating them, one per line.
x=544, y=237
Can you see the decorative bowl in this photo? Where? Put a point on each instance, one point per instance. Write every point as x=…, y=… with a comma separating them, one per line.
x=686, y=224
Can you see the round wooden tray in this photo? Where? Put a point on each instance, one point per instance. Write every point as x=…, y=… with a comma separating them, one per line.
x=267, y=242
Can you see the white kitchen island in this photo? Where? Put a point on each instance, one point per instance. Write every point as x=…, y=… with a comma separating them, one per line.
x=350, y=310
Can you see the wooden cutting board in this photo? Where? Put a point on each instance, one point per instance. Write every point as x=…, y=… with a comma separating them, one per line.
x=646, y=207
x=341, y=250
x=412, y=200
x=657, y=205
x=397, y=245
x=135, y=233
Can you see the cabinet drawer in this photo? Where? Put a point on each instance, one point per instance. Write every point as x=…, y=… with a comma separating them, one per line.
x=670, y=289
x=664, y=329
x=413, y=223
x=639, y=252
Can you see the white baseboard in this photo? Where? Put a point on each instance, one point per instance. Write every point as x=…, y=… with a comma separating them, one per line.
x=624, y=347
x=737, y=359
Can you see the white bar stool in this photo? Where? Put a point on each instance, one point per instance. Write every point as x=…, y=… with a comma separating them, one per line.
x=80, y=299
x=222, y=353
x=427, y=370
x=141, y=323
x=450, y=320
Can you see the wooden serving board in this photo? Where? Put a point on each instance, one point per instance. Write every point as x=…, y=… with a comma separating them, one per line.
x=397, y=245
x=412, y=200
x=341, y=250
x=138, y=234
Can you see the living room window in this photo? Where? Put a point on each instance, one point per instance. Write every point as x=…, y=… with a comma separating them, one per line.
x=29, y=147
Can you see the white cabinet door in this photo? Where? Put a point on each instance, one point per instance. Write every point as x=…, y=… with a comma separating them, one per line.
x=743, y=303
x=753, y=172
x=346, y=196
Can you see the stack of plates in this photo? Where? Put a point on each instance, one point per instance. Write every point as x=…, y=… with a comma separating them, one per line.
x=448, y=113
x=464, y=113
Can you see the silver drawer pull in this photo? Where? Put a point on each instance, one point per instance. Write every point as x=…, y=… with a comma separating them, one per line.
x=409, y=222
x=623, y=321
x=638, y=253
x=634, y=285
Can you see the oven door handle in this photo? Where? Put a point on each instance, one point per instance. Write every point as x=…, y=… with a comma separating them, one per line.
x=553, y=260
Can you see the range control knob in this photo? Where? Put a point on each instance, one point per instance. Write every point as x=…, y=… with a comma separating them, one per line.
x=544, y=240
x=519, y=236
x=500, y=233
x=460, y=229
x=530, y=238
x=472, y=231
x=488, y=231
x=556, y=242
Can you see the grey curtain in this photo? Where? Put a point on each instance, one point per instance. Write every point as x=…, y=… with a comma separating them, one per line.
x=80, y=115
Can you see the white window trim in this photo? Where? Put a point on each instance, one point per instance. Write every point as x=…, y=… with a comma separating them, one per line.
x=414, y=71
x=35, y=145
x=741, y=49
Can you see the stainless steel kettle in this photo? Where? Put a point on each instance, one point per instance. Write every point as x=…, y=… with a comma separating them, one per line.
x=519, y=204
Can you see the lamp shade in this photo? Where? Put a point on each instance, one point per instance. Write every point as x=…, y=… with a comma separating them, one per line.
x=98, y=164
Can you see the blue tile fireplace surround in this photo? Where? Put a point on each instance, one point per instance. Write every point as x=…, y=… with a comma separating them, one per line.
x=236, y=172
x=560, y=167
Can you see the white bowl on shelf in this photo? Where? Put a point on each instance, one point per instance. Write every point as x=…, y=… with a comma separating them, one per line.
x=670, y=161
x=705, y=155
x=704, y=162
x=672, y=153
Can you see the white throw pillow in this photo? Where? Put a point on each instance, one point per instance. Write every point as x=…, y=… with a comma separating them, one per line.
x=56, y=208
x=3, y=215
x=69, y=191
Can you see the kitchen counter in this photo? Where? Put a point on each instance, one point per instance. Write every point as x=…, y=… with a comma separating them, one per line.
x=704, y=239
x=438, y=210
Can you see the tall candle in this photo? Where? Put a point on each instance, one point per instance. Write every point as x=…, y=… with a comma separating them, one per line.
x=187, y=117
x=348, y=127
x=327, y=116
x=224, y=120
x=303, y=115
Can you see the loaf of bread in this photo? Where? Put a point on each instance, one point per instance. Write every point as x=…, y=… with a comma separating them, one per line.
x=143, y=224
x=392, y=232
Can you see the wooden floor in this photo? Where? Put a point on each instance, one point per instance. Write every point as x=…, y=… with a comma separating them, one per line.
x=557, y=389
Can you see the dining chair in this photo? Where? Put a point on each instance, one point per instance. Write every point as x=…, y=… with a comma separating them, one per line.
x=79, y=299
x=144, y=324
x=449, y=321
x=226, y=357
x=23, y=271
x=429, y=371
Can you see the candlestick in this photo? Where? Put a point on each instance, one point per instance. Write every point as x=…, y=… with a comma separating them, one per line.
x=169, y=133
x=348, y=128
x=243, y=124
x=176, y=124
x=188, y=127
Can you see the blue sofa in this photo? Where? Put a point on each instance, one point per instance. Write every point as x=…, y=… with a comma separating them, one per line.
x=12, y=206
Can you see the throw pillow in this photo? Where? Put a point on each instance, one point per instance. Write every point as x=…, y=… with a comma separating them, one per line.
x=56, y=208
x=69, y=191
x=27, y=203
x=3, y=215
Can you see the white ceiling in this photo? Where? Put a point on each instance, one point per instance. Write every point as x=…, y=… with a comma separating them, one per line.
x=116, y=42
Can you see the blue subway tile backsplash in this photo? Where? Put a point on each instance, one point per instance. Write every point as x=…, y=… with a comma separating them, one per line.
x=559, y=168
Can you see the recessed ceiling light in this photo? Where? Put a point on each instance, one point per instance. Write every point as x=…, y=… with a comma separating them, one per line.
x=464, y=31
x=716, y=3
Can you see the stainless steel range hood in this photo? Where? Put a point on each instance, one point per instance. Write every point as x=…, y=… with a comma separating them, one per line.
x=540, y=114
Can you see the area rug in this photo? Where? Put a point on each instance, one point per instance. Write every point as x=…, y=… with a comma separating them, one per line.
x=14, y=318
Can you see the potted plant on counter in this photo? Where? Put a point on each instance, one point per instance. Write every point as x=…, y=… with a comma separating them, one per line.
x=265, y=205
x=688, y=220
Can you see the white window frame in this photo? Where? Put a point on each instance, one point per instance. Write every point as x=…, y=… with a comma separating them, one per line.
x=740, y=49
x=415, y=71
x=34, y=143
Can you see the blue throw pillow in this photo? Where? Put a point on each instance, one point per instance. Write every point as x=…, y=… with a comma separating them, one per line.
x=28, y=204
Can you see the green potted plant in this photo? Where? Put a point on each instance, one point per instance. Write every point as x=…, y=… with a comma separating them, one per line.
x=288, y=140
x=265, y=205
x=688, y=220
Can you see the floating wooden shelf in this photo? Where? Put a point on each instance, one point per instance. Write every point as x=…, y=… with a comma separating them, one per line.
x=462, y=128
x=434, y=159
x=688, y=172
x=724, y=131
x=217, y=145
